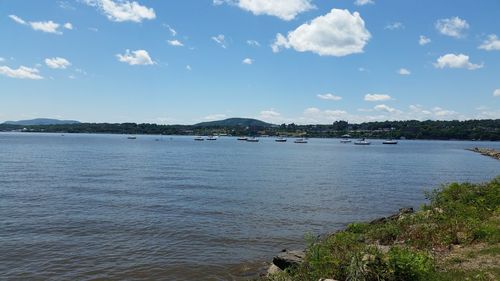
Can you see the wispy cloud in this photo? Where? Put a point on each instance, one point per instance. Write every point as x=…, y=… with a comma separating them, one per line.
x=456, y=61
x=121, y=11
x=221, y=40
x=454, y=27
x=491, y=44
x=22, y=72
x=57, y=63
x=44, y=26
x=377, y=97
x=329, y=97
x=138, y=57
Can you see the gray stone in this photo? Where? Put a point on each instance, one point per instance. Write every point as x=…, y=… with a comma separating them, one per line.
x=287, y=259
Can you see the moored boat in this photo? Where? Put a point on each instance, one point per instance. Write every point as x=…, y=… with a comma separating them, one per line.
x=199, y=139
x=390, y=141
x=212, y=138
x=301, y=140
x=280, y=139
x=345, y=140
x=243, y=138
x=131, y=137
x=253, y=139
x=362, y=141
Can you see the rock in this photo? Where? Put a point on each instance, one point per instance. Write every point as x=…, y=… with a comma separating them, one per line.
x=287, y=259
x=273, y=269
x=402, y=212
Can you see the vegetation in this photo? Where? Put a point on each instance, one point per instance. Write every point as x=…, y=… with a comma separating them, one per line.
x=441, y=130
x=454, y=237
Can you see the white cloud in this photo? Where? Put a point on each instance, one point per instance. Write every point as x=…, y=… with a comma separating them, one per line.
x=363, y=2
x=2, y=59
x=491, y=44
x=65, y=5
x=404, y=71
x=253, y=43
x=386, y=108
x=338, y=33
x=394, y=26
x=423, y=40
x=57, y=63
x=68, y=25
x=138, y=57
x=121, y=11
x=44, y=26
x=496, y=93
x=248, y=61
x=172, y=31
x=188, y=67
x=440, y=112
x=220, y=39
x=284, y=9
x=456, y=61
x=17, y=19
x=377, y=97
x=454, y=27
x=316, y=115
x=212, y=117
x=22, y=72
x=271, y=113
x=329, y=97
x=175, y=43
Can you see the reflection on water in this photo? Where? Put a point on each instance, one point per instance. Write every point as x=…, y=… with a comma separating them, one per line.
x=101, y=206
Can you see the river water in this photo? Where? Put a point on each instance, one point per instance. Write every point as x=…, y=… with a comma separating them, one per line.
x=92, y=207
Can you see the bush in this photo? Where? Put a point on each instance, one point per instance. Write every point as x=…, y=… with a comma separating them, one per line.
x=408, y=265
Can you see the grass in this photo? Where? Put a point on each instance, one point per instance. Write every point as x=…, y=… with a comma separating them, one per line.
x=456, y=236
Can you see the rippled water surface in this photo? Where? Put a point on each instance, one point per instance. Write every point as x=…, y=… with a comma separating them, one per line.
x=103, y=206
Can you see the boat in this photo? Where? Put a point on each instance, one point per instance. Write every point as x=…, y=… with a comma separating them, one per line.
x=131, y=137
x=345, y=140
x=212, y=138
x=280, y=139
x=300, y=141
x=199, y=139
x=243, y=138
x=362, y=141
x=253, y=139
x=390, y=141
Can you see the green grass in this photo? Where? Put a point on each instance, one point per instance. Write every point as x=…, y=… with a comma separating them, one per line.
x=457, y=214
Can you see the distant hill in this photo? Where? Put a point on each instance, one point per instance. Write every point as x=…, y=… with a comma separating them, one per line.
x=41, y=121
x=232, y=122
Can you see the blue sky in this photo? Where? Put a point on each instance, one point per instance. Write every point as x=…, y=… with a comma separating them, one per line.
x=282, y=61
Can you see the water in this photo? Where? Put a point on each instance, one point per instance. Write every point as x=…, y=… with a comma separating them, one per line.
x=102, y=206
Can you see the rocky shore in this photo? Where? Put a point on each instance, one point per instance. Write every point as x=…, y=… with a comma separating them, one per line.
x=487, y=152
x=455, y=236
x=289, y=259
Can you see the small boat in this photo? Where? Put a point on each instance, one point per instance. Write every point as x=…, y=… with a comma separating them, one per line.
x=131, y=137
x=212, y=138
x=345, y=140
x=362, y=141
x=199, y=139
x=242, y=138
x=280, y=139
x=300, y=141
x=390, y=141
x=252, y=140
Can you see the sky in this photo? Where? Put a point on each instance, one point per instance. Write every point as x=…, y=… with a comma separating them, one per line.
x=281, y=61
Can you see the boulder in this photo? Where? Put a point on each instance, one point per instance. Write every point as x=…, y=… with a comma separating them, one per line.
x=287, y=259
